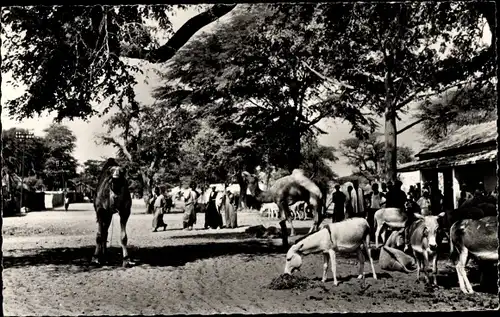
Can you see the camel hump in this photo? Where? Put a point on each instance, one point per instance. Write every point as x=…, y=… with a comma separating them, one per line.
x=299, y=177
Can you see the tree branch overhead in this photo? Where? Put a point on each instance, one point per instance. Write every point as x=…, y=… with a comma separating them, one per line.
x=193, y=25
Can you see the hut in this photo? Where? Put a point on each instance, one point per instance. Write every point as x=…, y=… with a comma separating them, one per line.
x=466, y=156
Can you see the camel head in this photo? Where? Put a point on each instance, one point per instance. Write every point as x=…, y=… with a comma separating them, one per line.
x=252, y=181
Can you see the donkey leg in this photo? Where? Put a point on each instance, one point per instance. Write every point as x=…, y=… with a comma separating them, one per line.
x=361, y=260
x=124, y=239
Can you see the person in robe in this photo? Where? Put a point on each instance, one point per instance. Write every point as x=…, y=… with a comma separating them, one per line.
x=425, y=204
x=189, y=215
x=349, y=204
x=159, y=206
x=339, y=200
x=213, y=218
x=66, y=200
x=376, y=201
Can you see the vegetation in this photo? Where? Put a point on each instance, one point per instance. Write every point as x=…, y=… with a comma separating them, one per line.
x=367, y=156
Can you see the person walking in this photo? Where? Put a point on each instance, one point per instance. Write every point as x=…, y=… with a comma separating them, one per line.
x=189, y=215
x=376, y=201
x=66, y=200
x=159, y=210
x=339, y=200
x=213, y=218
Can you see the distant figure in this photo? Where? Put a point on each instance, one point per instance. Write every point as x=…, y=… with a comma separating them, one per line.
x=349, y=208
x=396, y=198
x=339, y=200
x=359, y=204
x=462, y=199
x=66, y=201
x=159, y=210
x=189, y=216
x=383, y=188
x=152, y=199
x=425, y=204
x=494, y=193
x=212, y=217
x=376, y=201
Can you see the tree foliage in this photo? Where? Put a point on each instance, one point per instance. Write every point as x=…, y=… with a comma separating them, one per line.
x=253, y=80
x=455, y=109
x=34, y=154
x=394, y=53
x=60, y=164
x=71, y=57
x=367, y=156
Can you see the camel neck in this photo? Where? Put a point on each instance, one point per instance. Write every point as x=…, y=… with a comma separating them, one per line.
x=263, y=196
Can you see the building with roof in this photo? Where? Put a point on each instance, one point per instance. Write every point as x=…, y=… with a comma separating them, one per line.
x=466, y=156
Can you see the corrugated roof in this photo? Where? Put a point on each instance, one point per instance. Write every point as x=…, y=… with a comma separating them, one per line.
x=448, y=161
x=465, y=136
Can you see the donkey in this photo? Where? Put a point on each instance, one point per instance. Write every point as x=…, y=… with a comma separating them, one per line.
x=345, y=236
x=112, y=196
x=473, y=237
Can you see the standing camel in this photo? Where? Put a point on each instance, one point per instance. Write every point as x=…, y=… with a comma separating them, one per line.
x=112, y=195
x=285, y=192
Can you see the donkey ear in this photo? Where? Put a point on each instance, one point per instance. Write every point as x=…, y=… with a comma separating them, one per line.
x=418, y=216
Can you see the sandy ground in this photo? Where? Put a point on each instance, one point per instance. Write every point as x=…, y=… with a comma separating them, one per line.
x=46, y=256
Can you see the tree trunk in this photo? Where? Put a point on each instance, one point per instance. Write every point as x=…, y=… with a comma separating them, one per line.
x=147, y=181
x=390, y=146
x=391, y=153
x=294, y=155
x=1, y=211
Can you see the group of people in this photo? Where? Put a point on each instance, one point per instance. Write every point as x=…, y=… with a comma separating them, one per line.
x=360, y=203
x=162, y=201
x=357, y=203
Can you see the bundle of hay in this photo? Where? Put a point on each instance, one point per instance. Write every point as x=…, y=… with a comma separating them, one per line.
x=287, y=281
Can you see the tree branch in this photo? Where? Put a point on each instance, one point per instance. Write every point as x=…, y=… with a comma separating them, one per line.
x=123, y=148
x=193, y=25
x=328, y=79
x=409, y=126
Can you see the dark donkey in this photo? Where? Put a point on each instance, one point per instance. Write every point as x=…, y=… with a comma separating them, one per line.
x=112, y=195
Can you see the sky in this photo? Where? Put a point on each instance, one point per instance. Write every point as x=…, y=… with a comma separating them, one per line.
x=86, y=131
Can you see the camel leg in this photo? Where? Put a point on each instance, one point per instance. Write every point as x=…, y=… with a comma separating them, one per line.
x=123, y=238
x=317, y=217
x=285, y=215
x=326, y=259
x=100, y=238
x=334, y=266
x=106, y=222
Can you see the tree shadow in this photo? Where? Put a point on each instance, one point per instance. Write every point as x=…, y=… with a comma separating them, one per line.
x=172, y=256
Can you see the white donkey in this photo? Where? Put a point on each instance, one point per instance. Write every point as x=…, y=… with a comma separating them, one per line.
x=346, y=236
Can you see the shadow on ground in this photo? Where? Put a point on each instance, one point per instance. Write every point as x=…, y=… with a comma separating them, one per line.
x=177, y=255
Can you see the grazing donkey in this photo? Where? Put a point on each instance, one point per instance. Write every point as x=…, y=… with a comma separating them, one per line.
x=112, y=196
x=346, y=236
x=477, y=237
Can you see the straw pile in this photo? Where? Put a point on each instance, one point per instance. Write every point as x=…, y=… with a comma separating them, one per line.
x=287, y=281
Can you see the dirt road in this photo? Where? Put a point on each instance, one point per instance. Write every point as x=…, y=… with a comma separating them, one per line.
x=46, y=257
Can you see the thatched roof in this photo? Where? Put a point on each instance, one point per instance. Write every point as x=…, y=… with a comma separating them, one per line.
x=464, y=137
x=488, y=155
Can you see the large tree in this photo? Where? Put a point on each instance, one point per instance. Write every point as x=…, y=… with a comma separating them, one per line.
x=367, y=156
x=71, y=58
x=252, y=79
x=60, y=164
x=398, y=53
x=34, y=151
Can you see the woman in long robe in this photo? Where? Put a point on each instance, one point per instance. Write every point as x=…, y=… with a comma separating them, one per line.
x=230, y=210
x=159, y=210
x=189, y=216
x=212, y=217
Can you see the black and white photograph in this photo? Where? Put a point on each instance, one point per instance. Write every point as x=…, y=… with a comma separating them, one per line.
x=249, y=158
